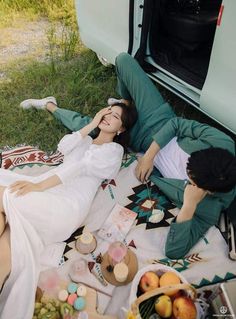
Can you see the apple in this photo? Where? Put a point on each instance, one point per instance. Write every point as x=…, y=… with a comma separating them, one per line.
x=149, y=281
x=169, y=278
x=163, y=306
x=184, y=308
x=179, y=293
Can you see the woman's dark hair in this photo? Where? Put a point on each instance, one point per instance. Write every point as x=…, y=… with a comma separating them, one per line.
x=213, y=169
x=129, y=116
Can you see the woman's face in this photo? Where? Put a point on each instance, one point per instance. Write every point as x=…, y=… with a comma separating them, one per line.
x=112, y=122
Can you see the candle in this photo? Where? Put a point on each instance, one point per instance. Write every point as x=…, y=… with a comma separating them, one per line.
x=86, y=238
x=86, y=243
x=121, y=271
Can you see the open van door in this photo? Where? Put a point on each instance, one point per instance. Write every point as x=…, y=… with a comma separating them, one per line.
x=106, y=26
x=218, y=97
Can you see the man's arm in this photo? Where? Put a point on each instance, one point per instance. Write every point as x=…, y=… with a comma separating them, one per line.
x=192, y=222
x=199, y=135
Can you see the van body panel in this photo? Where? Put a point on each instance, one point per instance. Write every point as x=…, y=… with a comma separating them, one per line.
x=218, y=97
x=104, y=26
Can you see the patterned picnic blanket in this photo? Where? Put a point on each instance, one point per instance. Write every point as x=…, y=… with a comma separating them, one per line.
x=202, y=266
x=28, y=155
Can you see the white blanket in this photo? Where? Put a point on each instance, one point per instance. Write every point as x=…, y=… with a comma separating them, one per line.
x=202, y=266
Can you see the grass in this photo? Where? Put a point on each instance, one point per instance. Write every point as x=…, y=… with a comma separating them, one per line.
x=81, y=84
x=71, y=73
x=12, y=10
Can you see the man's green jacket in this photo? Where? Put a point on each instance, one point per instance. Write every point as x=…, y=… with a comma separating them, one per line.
x=191, y=136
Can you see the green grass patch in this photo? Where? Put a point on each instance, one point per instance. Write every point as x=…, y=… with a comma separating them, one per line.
x=12, y=10
x=81, y=84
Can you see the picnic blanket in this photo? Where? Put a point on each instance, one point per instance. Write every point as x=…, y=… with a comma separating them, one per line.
x=201, y=267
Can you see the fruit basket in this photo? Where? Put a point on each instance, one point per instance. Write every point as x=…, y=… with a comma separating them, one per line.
x=158, y=292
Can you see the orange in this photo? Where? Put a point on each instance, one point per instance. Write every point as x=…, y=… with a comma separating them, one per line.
x=167, y=279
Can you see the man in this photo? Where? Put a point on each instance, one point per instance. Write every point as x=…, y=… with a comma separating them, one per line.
x=196, y=162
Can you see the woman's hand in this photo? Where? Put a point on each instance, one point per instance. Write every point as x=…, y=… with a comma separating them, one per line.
x=24, y=187
x=144, y=168
x=98, y=117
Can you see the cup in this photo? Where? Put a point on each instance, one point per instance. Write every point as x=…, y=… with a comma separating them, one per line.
x=86, y=243
x=117, y=252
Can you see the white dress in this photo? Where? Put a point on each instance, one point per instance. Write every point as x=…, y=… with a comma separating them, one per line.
x=42, y=218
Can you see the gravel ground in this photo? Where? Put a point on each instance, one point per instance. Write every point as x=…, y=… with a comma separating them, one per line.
x=26, y=40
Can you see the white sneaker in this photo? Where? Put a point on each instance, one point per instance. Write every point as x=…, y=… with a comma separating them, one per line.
x=112, y=101
x=39, y=104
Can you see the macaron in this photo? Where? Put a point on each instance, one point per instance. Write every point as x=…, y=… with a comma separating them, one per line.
x=83, y=315
x=79, y=303
x=71, y=299
x=72, y=288
x=63, y=295
x=81, y=291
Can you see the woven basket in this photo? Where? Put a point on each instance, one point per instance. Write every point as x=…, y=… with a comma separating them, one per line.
x=134, y=301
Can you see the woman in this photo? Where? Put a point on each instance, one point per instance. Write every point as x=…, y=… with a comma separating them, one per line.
x=54, y=204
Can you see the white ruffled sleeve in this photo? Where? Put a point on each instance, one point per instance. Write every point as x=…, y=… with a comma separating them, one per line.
x=103, y=161
x=71, y=141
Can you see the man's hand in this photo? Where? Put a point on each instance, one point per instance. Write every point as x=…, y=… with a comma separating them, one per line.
x=24, y=187
x=144, y=168
x=193, y=195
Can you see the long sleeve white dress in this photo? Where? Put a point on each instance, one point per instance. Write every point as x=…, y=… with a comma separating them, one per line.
x=38, y=219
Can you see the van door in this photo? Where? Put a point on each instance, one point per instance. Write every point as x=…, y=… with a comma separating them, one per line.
x=218, y=97
x=106, y=26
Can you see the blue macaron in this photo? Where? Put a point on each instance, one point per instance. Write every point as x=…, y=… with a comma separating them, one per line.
x=79, y=303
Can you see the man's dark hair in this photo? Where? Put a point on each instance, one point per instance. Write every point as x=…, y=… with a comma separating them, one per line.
x=129, y=116
x=213, y=169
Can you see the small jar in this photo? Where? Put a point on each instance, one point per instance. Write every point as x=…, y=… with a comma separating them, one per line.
x=86, y=243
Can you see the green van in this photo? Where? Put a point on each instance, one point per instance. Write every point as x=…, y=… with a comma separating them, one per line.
x=188, y=46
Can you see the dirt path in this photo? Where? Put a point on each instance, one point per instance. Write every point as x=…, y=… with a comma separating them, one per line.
x=26, y=40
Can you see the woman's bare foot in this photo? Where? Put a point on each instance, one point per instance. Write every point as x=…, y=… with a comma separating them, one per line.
x=2, y=223
x=5, y=256
x=2, y=215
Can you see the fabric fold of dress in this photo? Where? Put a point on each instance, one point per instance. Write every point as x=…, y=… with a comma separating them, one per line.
x=38, y=219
